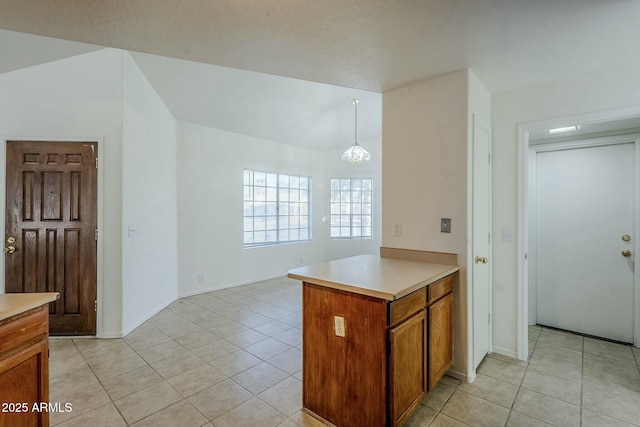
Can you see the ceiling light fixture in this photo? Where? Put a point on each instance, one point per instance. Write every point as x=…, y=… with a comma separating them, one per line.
x=356, y=154
x=563, y=129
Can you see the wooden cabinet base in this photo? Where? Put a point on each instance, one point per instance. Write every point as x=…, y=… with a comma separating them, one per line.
x=391, y=353
x=24, y=368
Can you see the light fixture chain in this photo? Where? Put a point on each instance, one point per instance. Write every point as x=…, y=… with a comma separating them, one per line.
x=355, y=103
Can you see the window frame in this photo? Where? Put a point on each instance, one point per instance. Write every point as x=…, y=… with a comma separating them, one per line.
x=276, y=194
x=336, y=218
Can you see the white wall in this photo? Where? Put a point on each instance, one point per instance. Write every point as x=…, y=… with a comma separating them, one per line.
x=149, y=200
x=585, y=94
x=210, y=230
x=424, y=173
x=78, y=98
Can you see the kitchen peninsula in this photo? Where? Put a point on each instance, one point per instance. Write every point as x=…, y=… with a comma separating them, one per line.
x=377, y=334
x=24, y=358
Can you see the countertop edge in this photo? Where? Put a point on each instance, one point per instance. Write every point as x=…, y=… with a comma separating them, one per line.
x=373, y=293
x=13, y=304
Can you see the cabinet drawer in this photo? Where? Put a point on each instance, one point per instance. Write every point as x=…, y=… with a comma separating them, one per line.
x=440, y=288
x=404, y=307
x=21, y=332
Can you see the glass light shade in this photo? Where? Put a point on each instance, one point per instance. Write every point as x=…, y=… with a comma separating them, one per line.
x=356, y=154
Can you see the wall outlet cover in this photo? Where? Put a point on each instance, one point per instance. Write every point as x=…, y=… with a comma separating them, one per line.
x=445, y=225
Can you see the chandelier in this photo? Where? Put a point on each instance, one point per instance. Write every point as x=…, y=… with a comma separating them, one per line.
x=355, y=153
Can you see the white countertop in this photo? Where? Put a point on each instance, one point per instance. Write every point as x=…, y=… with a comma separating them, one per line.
x=373, y=275
x=12, y=304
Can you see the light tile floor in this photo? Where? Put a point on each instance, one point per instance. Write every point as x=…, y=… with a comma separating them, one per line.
x=233, y=358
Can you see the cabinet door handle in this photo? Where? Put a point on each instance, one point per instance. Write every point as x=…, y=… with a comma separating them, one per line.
x=626, y=254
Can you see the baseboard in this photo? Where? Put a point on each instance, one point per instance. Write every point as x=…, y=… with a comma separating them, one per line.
x=229, y=285
x=157, y=310
x=467, y=378
x=505, y=352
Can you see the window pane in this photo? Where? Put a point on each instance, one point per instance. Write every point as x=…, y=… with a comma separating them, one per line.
x=272, y=236
x=272, y=180
x=294, y=182
x=272, y=223
x=284, y=222
x=259, y=178
x=350, y=208
x=248, y=208
x=272, y=209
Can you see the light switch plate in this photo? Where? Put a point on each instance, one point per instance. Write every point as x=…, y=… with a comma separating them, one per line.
x=445, y=225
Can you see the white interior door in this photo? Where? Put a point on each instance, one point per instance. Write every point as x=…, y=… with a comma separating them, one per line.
x=481, y=242
x=584, y=207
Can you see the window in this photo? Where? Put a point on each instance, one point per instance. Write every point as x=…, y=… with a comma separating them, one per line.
x=276, y=208
x=351, y=208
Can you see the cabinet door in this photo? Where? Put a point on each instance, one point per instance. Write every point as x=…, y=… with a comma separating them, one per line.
x=407, y=367
x=440, y=338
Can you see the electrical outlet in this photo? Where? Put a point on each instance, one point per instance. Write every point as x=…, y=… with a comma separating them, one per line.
x=338, y=326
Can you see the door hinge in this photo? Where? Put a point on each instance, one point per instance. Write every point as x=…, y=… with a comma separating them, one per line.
x=96, y=162
x=489, y=157
x=95, y=305
x=489, y=318
x=96, y=235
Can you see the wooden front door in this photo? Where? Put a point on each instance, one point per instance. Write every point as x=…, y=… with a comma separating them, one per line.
x=50, y=228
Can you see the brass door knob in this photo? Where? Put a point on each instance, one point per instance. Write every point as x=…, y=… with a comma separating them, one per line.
x=626, y=254
x=481, y=260
x=9, y=249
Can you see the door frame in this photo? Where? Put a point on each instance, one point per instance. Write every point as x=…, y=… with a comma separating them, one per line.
x=100, y=246
x=579, y=142
x=523, y=198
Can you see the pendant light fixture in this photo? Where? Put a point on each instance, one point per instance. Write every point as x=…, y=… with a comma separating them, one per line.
x=356, y=154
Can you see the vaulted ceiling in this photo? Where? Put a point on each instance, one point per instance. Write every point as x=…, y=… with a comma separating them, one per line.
x=287, y=70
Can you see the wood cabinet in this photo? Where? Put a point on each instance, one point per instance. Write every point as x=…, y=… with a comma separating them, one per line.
x=24, y=366
x=440, y=320
x=407, y=367
x=392, y=353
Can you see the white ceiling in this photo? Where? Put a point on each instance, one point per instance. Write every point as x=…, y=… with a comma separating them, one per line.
x=359, y=47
